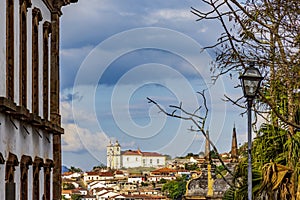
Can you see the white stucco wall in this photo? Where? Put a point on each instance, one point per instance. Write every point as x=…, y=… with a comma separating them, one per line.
x=152, y=161
x=19, y=142
x=16, y=139
x=131, y=161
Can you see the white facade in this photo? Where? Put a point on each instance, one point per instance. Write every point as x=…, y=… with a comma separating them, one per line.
x=154, y=161
x=131, y=161
x=132, y=158
x=114, y=156
x=135, y=179
x=26, y=142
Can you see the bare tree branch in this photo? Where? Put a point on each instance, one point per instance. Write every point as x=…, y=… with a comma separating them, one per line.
x=200, y=127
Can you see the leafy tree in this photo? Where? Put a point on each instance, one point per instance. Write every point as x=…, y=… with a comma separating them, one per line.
x=162, y=181
x=175, y=189
x=76, y=196
x=68, y=186
x=267, y=32
x=168, y=157
x=213, y=154
x=144, y=184
x=153, y=184
x=190, y=155
x=74, y=169
x=193, y=166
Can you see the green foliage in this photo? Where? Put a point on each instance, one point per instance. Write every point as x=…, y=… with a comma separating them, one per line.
x=269, y=157
x=101, y=166
x=76, y=196
x=168, y=157
x=268, y=146
x=63, y=197
x=175, y=189
x=143, y=184
x=190, y=155
x=193, y=166
x=68, y=186
x=153, y=184
x=74, y=169
x=162, y=181
x=213, y=154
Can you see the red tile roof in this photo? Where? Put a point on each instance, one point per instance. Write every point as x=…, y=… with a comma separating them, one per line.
x=139, y=152
x=106, y=174
x=92, y=173
x=131, y=152
x=118, y=172
x=67, y=173
x=153, y=154
x=164, y=170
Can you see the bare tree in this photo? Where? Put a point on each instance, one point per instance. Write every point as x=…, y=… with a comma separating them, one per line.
x=198, y=119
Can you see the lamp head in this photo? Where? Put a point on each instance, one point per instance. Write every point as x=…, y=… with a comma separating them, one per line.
x=250, y=80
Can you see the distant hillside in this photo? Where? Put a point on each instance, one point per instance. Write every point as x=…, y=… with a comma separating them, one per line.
x=64, y=169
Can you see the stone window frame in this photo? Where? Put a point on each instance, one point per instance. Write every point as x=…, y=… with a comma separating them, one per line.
x=36, y=18
x=37, y=165
x=24, y=164
x=11, y=163
x=10, y=185
x=24, y=5
x=10, y=49
x=49, y=164
x=46, y=33
x=2, y=161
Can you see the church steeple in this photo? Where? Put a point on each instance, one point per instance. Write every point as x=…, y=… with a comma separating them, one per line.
x=234, y=148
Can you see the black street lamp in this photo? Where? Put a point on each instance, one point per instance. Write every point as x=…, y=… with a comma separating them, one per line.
x=250, y=80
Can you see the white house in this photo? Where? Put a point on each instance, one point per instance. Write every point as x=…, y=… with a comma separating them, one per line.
x=90, y=176
x=71, y=175
x=95, y=184
x=88, y=197
x=110, y=195
x=97, y=176
x=135, y=178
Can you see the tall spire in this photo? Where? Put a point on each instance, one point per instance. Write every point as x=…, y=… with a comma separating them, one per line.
x=234, y=148
x=207, y=148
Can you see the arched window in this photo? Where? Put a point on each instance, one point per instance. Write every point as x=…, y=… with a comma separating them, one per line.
x=24, y=4
x=25, y=162
x=47, y=176
x=46, y=32
x=10, y=185
x=10, y=49
x=36, y=18
x=37, y=164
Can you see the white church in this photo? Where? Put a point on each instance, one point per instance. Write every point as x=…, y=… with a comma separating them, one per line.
x=117, y=159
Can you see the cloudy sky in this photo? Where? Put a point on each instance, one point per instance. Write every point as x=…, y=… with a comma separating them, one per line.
x=114, y=54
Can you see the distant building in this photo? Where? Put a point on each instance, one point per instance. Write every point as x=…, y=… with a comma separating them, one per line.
x=234, y=148
x=117, y=159
x=113, y=155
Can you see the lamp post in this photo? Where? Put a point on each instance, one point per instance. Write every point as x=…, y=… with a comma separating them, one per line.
x=250, y=81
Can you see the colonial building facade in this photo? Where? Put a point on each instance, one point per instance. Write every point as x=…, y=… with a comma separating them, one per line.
x=117, y=159
x=30, y=127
